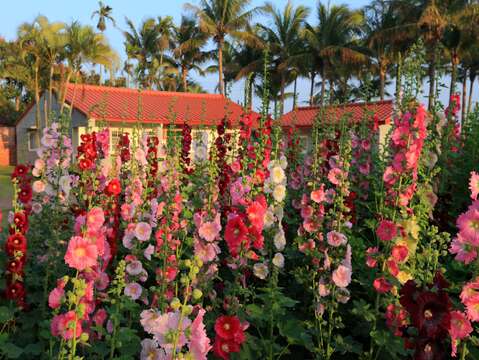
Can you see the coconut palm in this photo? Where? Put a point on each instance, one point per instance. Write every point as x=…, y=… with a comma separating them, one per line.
x=285, y=41
x=104, y=14
x=187, y=55
x=220, y=19
x=334, y=37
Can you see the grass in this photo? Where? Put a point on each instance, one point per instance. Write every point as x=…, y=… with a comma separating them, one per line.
x=6, y=192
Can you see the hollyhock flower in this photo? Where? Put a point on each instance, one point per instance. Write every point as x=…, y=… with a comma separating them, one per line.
x=336, y=238
x=150, y=249
x=222, y=348
x=66, y=325
x=16, y=242
x=81, y=254
x=100, y=317
x=318, y=195
x=470, y=290
x=342, y=276
x=382, y=285
x=431, y=313
x=400, y=253
x=468, y=223
x=472, y=308
x=114, y=187
x=227, y=327
x=464, y=251
x=474, y=185
x=429, y=349
x=134, y=268
x=460, y=329
x=386, y=230
x=235, y=234
x=168, y=323
x=260, y=270
x=279, y=193
x=55, y=297
x=143, y=231
x=256, y=212
x=277, y=175
x=199, y=344
x=95, y=218
x=151, y=351
x=206, y=252
x=133, y=290
x=392, y=267
x=279, y=240
x=278, y=260
x=38, y=186
x=209, y=230
x=269, y=218
x=335, y=176
x=25, y=193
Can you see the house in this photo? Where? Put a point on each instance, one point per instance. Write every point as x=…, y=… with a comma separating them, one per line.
x=303, y=118
x=7, y=144
x=121, y=109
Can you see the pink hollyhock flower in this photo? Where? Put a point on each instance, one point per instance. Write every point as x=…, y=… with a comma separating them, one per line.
x=382, y=285
x=307, y=212
x=401, y=135
x=365, y=168
x=398, y=162
x=468, y=223
x=151, y=351
x=55, y=297
x=386, y=230
x=66, y=325
x=318, y=195
x=143, y=231
x=460, y=329
x=389, y=176
x=100, y=317
x=470, y=290
x=133, y=290
x=134, y=268
x=150, y=249
x=342, y=276
x=399, y=253
x=209, y=230
x=95, y=218
x=392, y=267
x=474, y=185
x=81, y=254
x=463, y=250
x=167, y=323
x=335, y=176
x=199, y=344
x=472, y=308
x=206, y=252
x=127, y=211
x=38, y=186
x=370, y=260
x=336, y=238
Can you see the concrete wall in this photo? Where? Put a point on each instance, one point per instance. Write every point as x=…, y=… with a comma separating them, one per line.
x=7, y=146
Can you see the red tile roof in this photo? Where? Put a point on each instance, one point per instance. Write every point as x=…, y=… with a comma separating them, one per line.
x=130, y=105
x=305, y=116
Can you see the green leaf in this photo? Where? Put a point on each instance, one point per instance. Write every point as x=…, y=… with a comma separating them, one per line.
x=5, y=314
x=11, y=351
x=296, y=333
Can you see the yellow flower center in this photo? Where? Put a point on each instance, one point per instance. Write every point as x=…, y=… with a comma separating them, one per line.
x=80, y=252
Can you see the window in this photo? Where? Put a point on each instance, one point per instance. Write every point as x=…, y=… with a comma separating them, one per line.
x=32, y=140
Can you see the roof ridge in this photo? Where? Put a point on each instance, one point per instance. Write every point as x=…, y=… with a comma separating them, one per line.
x=350, y=104
x=147, y=92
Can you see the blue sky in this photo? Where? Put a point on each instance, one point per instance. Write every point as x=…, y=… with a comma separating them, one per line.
x=15, y=12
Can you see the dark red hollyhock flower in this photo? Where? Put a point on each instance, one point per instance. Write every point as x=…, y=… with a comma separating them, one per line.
x=408, y=295
x=428, y=349
x=226, y=327
x=15, y=291
x=20, y=171
x=439, y=281
x=113, y=187
x=85, y=138
x=235, y=234
x=15, y=266
x=25, y=194
x=90, y=151
x=222, y=348
x=432, y=315
x=85, y=164
x=21, y=221
x=16, y=242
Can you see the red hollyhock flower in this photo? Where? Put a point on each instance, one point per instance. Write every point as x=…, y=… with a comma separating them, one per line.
x=85, y=164
x=15, y=291
x=16, y=242
x=113, y=187
x=382, y=285
x=256, y=212
x=15, y=266
x=20, y=171
x=222, y=348
x=428, y=349
x=235, y=234
x=386, y=230
x=20, y=221
x=25, y=193
x=432, y=314
x=226, y=327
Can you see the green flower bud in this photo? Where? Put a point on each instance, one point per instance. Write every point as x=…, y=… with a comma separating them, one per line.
x=197, y=294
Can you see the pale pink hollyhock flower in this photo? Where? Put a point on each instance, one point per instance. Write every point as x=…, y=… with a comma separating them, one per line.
x=38, y=186
x=81, y=254
x=209, y=230
x=306, y=212
x=55, y=297
x=133, y=290
x=474, y=185
x=150, y=249
x=151, y=351
x=335, y=176
x=134, y=268
x=149, y=320
x=206, y=252
x=95, y=218
x=127, y=211
x=468, y=223
x=460, y=329
x=342, y=276
x=463, y=250
x=140, y=156
x=336, y=238
x=343, y=295
x=165, y=324
x=323, y=289
x=199, y=344
x=318, y=195
x=142, y=231
x=102, y=281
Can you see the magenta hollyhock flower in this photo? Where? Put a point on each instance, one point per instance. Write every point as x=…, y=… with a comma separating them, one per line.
x=133, y=290
x=209, y=230
x=468, y=224
x=143, y=231
x=386, y=230
x=199, y=343
x=55, y=297
x=474, y=185
x=81, y=253
x=336, y=238
x=335, y=176
x=463, y=250
x=95, y=218
x=342, y=276
x=460, y=329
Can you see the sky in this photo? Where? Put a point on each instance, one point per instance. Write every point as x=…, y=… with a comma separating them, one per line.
x=16, y=12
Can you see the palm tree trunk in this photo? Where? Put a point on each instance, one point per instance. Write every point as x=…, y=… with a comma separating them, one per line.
x=472, y=79
x=382, y=80
x=311, y=90
x=464, y=96
x=50, y=90
x=294, y=92
x=250, y=91
x=77, y=74
x=454, y=63
x=38, y=113
x=64, y=90
x=184, y=74
x=101, y=75
x=432, y=80
x=398, y=79
x=220, y=67
x=323, y=86
x=17, y=103
x=281, y=105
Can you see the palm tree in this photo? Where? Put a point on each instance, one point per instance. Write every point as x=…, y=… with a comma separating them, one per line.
x=334, y=37
x=284, y=39
x=187, y=54
x=103, y=13
x=222, y=18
